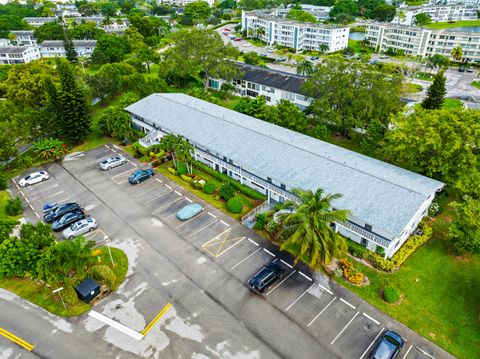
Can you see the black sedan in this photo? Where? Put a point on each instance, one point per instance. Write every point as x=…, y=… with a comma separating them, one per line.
x=140, y=176
x=265, y=277
x=67, y=220
x=60, y=211
x=388, y=346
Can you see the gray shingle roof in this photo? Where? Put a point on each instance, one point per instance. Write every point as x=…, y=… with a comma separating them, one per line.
x=383, y=195
x=22, y=32
x=272, y=78
x=13, y=49
x=76, y=43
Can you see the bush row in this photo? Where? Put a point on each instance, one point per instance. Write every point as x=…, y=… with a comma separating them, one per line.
x=250, y=192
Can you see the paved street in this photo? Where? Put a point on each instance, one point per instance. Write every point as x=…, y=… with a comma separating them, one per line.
x=201, y=267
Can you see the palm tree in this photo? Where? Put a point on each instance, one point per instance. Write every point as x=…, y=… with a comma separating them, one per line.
x=365, y=42
x=184, y=152
x=307, y=232
x=323, y=48
x=169, y=143
x=260, y=32
x=457, y=53
x=250, y=32
x=305, y=68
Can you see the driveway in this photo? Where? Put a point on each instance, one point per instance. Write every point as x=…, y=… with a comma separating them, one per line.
x=201, y=267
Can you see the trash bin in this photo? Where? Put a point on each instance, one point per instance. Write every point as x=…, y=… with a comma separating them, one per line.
x=87, y=290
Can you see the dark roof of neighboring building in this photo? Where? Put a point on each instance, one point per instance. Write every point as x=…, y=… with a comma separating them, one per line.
x=13, y=49
x=22, y=32
x=272, y=78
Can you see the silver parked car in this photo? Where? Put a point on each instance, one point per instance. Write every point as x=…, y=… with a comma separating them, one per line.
x=80, y=227
x=113, y=161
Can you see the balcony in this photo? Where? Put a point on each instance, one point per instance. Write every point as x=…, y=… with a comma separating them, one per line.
x=152, y=138
x=382, y=242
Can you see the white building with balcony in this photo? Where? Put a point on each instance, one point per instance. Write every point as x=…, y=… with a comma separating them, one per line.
x=438, y=13
x=39, y=21
x=386, y=203
x=417, y=41
x=24, y=37
x=296, y=35
x=274, y=85
x=10, y=55
x=320, y=12
x=182, y=3
x=54, y=48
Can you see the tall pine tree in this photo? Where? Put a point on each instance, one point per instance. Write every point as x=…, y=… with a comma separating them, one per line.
x=70, y=51
x=435, y=93
x=73, y=113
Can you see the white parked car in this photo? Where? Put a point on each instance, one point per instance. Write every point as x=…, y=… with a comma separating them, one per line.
x=113, y=161
x=35, y=177
x=80, y=227
x=246, y=44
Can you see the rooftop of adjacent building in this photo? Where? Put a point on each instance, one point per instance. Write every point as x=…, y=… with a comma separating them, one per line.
x=269, y=16
x=14, y=49
x=76, y=43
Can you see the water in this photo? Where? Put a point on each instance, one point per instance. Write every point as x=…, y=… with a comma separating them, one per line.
x=465, y=29
x=356, y=36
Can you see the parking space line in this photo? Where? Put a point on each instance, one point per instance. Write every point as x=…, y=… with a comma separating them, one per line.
x=225, y=223
x=369, y=317
x=211, y=214
x=156, y=319
x=37, y=215
x=347, y=303
x=26, y=200
x=166, y=185
x=307, y=277
x=156, y=197
x=166, y=205
x=201, y=229
x=283, y=280
x=408, y=351
x=191, y=219
x=49, y=196
x=144, y=192
x=266, y=250
x=244, y=259
x=44, y=189
x=373, y=341
x=158, y=180
x=188, y=199
x=32, y=207
x=253, y=242
x=288, y=265
x=324, y=309
x=296, y=300
x=178, y=193
x=107, y=146
x=114, y=324
x=344, y=328
x=325, y=289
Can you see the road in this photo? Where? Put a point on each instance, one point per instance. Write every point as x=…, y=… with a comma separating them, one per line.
x=200, y=266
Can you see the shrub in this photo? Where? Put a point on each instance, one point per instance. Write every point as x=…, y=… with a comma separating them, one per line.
x=69, y=295
x=227, y=191
x=172, y=170
x=3, y=181
x=160, y=154
x=391, y=294
x=156, y=163
x=199, y=184
x=261, y=221
x=104, y=275
x=182, y=169
x=186, y=178
x=145, y=159
x=235, y=205
x=356, y=250
x=209, y=188
x=349, y=273
x=14, y=206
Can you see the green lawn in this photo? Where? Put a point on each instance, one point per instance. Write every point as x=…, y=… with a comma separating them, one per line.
x=440, y=294
x=452, y=103
x=412, y=88
x=3, y=203
x=41, y=295
x=476, y=84
x=425, y=76
x=446, y=25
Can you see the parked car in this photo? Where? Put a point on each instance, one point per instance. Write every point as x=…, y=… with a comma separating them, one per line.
x=80, y=227
x=112, y=162
x=237, y=39
x=226, y=29
x=469, y=70
x=373, y=62
x=60, y=211
x=67, y=219
x=189, y=211
x=140, y=176
x=461, y=69
x=47, y=207
x=35, y=177
x=313, y=58
x=246, y=44
x=265, y=277
x=388, y=346
x=384, y=56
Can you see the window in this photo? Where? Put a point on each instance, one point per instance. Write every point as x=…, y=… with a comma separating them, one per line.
x=368, y=227
x=213, y=84
x=364, y=242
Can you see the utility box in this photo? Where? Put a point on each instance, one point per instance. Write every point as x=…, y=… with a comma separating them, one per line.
x=87, y=290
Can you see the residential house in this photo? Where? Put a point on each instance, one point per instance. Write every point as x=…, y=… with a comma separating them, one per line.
x=438, y=13
x=183, y=3
x=322, y=13
x=54, y=48
x=24, y=37
x=10, y=55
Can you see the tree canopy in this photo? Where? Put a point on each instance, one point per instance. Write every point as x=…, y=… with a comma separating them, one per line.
x=111, y=48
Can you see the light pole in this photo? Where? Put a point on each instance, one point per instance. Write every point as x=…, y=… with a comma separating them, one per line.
x=58, y=290
x=109, y=251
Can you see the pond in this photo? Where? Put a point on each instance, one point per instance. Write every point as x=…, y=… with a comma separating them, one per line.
x=465, y=29
x=356, y=36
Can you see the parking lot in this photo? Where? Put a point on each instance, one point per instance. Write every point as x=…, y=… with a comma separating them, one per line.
x=339, y=321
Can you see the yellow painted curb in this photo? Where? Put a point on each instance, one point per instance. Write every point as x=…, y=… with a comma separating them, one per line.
x=156, y=319
x=16, y=339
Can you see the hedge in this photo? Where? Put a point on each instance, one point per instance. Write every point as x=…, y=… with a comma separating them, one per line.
x=186, y=178
x=249, y=192
x=227, y=191
x=209, y=188
x=356, y=250
x=104, y=275
x=391, y=295
x=408, y=248
x=14, y=206
x=235, y=205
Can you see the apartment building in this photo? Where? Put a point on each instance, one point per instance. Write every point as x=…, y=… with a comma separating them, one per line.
x=320, y=12
x=10, y=55
x=386, y=203
x=296, y=35
x=39, y=21
x=183, y=3
x=417, y=41
x=54, y=48
x=455, y=2
x=24, y=37
x=438, y=13
x=274, y=85
x=100, y=21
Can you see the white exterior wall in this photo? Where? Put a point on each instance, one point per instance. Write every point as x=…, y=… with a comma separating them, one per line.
x=320, y=12
x=184, y=2
x=24, y=40
x=438, y=13
x=59, y=51
x=31, y=53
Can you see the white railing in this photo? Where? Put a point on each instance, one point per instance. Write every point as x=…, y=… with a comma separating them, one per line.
x=366, y=234
x=152, y=138
x=261, y=208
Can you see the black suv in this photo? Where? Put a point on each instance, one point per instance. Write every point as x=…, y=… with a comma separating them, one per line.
x=388, y=346
x=67, y=220
x=60, y=211
x=265, y=277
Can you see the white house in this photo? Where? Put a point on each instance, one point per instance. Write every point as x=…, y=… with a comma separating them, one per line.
x=417, y=41
x=39, y=21
x=386, y=203
x=274, y=85
x=455, y=2
x=54, y=48
x=438, y=13
x=297, y=35
x=10, y=55
x=320, y=12
x=24, y=37
x=5, y=42
x=183, y=3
